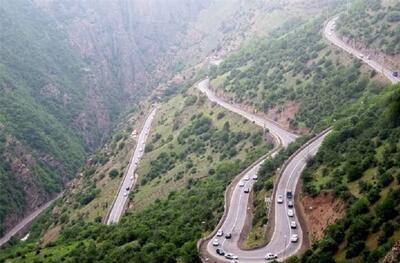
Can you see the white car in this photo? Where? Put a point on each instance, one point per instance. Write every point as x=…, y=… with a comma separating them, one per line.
x=215, y=243
x=279, y=200
x=290, y=212
x=361, y=56
x=330, y=34
x=293, y=224
x=255, y=177
x=220, y=233
x=294, y=238
x=270, y=256
x=246, y=178
x=231, y=256
x=131, y=177
x=125, y=194
x=241, y=184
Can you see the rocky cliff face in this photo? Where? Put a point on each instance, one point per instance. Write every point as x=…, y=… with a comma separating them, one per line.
x=124, y=42
x=68, y=69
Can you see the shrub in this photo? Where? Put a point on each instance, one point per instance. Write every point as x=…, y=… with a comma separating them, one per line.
x=387, y=208
x=373, y=195
x=354, y=249
x=149, y=147
x=361, y=206
x=385, y=179
x=220, y=115
x=113, y=173
x=354, y=172
x=190, y=100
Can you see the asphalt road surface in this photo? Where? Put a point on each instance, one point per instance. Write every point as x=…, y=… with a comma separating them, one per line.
x=27, y=220
x=234, y=222
x=130, y=179
x=281, y=134
x=280, y=242
x=331, y=35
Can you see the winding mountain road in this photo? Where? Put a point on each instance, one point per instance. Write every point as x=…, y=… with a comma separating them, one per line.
x=129, y=180
x=331, y=35
x=235, y=217
x=280, y=242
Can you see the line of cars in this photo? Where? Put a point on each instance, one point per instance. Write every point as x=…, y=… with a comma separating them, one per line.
x=243, y=183
x=130, y=178
x=220, y=251
x=290, y=212
x=228, y=235
x=280, y=200
x=141, y=150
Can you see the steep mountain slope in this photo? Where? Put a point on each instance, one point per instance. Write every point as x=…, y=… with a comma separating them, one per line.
x=372, y=24
x=301, y=82
x=42, y=111
x=124, y=41
x=295, y=79
x=359, y=163
x=68, y=70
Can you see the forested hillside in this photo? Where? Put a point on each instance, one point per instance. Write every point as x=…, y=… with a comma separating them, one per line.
x=42, y=105
x=296, y=69
x=68, y=70
x=373, y=23
x=359, y=163
x=65, y=78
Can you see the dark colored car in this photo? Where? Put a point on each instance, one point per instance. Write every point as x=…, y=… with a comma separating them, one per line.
x=395, y=74
x=228, y=235
x=127, y=189
x=220, y=251
x=290, y=204
x=289, y=194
